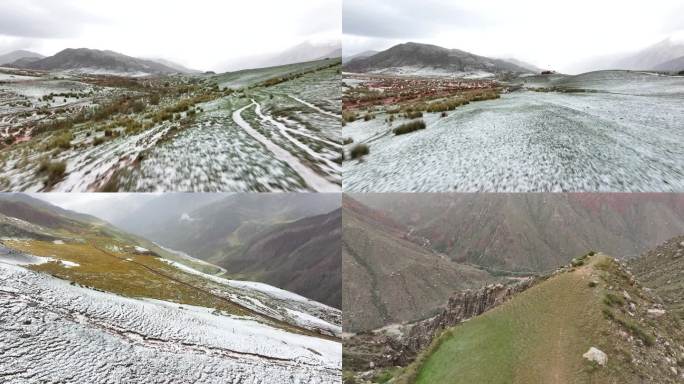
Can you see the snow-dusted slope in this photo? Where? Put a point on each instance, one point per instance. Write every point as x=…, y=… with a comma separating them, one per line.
x=274, y=302
x=53, y=331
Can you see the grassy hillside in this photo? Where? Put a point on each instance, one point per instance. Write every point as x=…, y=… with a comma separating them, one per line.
x=541, y=334
x=249, y=77
x=115, y=267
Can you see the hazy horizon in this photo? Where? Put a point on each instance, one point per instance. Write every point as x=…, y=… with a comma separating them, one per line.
x=567, y=38
x=105, y=206
x=209, y=35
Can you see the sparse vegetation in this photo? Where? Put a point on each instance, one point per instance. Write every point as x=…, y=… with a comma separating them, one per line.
x=349, y=116
x=54, y=170
x=409, y=127
x=612, y=300
x=114, y=107
x=359, y=150
x=636, y=330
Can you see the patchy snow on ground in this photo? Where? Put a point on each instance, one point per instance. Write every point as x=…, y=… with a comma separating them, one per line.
x=56, y=332
x=69, y=264
x=535, y=142
x=274, y=302
x=207, y=152
x=23, y=259
x=414, y=70
x=312, y=179
x=308, y=321
x=10, y=77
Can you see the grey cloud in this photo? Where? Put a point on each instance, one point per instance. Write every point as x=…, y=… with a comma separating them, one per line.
x=42, y=19
x=321, y=18
x=404, y=18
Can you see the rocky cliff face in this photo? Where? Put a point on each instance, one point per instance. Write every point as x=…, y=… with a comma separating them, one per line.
x=461, y=307
x=399, y=345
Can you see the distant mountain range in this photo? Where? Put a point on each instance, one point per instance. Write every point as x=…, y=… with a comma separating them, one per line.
x=95, y=61
x=528, y=66
x=178, y=67
x=274, y=238
x=666, y=55
x=25, y=56
x=360, y=55
x=534, y=232
x=661, y=54
x=306, y=51
x=415, y=58
x=674, y=65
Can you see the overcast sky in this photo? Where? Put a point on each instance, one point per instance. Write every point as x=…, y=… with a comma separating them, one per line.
x=106, y=206
x=200, y=34
x=548, y=34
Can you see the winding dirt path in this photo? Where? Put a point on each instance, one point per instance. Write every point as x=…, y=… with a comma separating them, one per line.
x=323, y=111
x=312, y=179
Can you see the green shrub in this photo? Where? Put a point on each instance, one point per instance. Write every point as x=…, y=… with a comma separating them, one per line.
x=446, y=105
x=414, y=114
x=367, y=117
x=637, y=331
x=347, y=140
x=608, y=314
x=359, y=151
x=349, y=116
x=99, y=140
x=611, y=300
x=154, y=99
x=348, y=378
x=382, y=377
x=577, y=262
x=409, y=127
x=54, y=170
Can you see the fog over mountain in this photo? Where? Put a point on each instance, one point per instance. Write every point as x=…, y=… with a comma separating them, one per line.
x=202, y=36
x=578, y=41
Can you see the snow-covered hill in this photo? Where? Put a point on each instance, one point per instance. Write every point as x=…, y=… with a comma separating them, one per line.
x=54, y=331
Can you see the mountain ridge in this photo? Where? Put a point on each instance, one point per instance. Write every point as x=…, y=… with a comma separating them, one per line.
x=535, y=232
x=20, y=54
x=98, y=61
x=417, y=55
